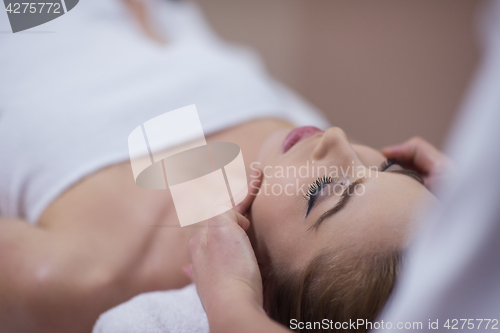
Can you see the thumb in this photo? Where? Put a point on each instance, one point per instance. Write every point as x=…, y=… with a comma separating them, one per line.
x=231, y=216
x=415, y=153
x=392, y=151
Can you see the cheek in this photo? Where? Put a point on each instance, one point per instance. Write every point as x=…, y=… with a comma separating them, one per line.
x=277, y=206
x=369, y=156
x=269, y=207
x=279, y=197
x=265, y=225
x=271, y=147
x=275, y=209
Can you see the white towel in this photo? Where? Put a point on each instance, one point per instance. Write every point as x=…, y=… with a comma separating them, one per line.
x=169, y=311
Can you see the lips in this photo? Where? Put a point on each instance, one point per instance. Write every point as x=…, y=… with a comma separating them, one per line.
x=297, y=135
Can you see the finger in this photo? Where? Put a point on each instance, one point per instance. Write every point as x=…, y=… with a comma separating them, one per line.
x=230, y=217
x=242, y=221
x=417, y=153
x=188, y=271
x=253, y=189
x=196, y=251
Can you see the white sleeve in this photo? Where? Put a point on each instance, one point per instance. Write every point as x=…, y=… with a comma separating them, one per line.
x=453, y=268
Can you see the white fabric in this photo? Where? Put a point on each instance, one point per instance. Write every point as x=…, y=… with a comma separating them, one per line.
x=73, y=89
x=453, y=268
x=173, y=311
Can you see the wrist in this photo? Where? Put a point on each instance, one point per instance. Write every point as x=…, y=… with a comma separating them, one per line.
x=232, y=309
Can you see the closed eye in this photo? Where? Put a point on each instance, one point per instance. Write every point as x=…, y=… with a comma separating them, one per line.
x=315, y=188
x=410, y=173
x=384, y=168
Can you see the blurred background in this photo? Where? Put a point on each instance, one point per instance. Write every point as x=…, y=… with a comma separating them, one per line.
x=382, y=70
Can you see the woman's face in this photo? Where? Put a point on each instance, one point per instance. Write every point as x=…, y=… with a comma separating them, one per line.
x=289, y=229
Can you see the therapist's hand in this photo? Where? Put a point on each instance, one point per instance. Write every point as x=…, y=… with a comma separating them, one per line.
x=422, y=157
x=224, y=267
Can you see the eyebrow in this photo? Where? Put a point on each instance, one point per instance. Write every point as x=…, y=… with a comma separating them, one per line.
x=340, y=204
x=348, y=192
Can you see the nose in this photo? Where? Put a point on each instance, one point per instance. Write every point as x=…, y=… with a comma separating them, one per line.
x=334, y=144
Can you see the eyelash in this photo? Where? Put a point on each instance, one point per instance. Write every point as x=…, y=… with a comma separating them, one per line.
x=325, y=180
x=316, y=186
x=322, y=181
x=388, y=163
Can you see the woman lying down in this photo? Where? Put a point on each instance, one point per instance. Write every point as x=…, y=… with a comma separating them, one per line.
x=78, y=236
x=333, y=254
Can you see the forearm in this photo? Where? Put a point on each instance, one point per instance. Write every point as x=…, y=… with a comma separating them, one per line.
x=243, y=317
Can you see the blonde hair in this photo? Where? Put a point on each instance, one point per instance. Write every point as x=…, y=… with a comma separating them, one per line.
x=338, y=287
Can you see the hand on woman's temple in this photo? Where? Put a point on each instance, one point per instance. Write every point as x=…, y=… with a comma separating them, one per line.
x=422, y=157
x=224, y=267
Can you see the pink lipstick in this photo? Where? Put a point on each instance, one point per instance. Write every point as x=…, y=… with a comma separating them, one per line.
x=298, y=134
